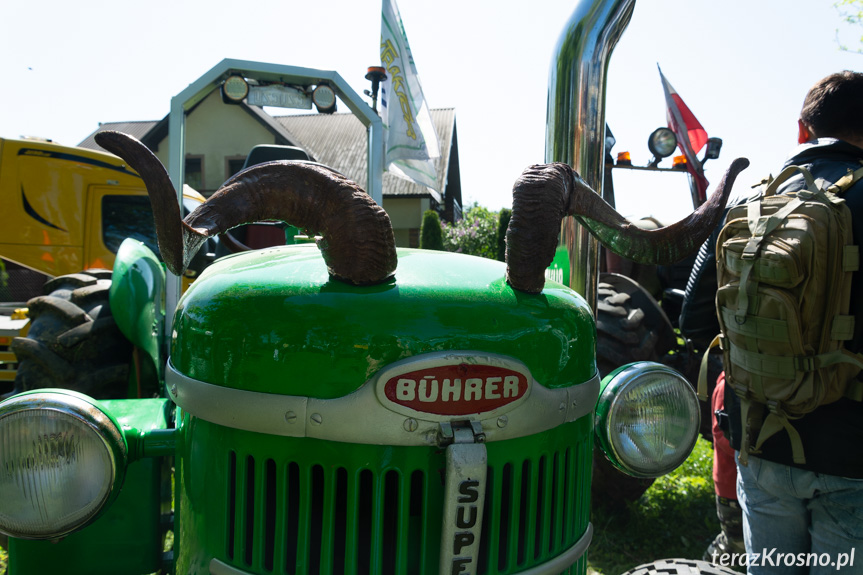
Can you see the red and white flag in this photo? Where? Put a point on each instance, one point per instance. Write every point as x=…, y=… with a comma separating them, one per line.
x=691, y=136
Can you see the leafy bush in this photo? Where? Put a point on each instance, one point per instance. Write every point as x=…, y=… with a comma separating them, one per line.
x=431, y=234
x=475, y=234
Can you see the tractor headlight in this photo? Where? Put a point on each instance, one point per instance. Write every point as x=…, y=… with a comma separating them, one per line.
x=647, y=419
x=662, y=143
x=62, y=458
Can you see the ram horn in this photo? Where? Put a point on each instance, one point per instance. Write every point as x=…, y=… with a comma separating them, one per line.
x=357, y=237
x=544, y=194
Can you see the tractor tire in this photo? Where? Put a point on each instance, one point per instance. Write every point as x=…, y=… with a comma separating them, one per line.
x=630, y=327
x=74, y=342
x=680, y=567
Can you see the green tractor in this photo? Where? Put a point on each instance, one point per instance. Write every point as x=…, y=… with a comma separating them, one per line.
x=356, y=408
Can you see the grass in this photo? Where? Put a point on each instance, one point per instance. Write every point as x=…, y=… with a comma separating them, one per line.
x=676, y=517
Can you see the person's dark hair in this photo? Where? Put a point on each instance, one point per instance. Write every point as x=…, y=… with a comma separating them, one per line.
x=833, y=108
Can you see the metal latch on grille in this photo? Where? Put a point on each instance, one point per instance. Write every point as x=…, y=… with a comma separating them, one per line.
x=460, y=432
x=464, y=496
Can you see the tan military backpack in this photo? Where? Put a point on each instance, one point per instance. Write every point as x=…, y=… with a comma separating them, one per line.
x=784, y=265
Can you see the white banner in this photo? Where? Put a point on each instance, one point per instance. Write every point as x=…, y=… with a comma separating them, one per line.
x=410, y=141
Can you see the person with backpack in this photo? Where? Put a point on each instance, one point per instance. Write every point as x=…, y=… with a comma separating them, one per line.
x=790, y=305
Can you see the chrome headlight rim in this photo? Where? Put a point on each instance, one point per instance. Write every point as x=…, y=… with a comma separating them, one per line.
x=88, y=413
x=610, y=398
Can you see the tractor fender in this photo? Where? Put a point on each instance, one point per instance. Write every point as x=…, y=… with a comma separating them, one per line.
x=137, y=299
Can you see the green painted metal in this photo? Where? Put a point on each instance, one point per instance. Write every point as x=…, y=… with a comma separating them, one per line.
x=602, y=408
x=127, y=537
x=266, y=504
x=559, y=269
x=146, y=424
x=273, y=321
x=137, y=304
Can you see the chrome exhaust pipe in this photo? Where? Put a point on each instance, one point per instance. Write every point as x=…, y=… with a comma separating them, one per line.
x=575, y=122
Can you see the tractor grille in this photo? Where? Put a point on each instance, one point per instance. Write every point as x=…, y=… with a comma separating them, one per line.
x=530, y=512
x=287, y=517
x=325, y=519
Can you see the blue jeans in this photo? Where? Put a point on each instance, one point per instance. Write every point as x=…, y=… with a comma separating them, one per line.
x=800, y=521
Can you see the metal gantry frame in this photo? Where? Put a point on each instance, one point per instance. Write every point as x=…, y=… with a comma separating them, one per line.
x=183, y=102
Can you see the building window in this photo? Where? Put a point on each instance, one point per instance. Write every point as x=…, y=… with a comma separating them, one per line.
x=234, y=165
x=195, y=172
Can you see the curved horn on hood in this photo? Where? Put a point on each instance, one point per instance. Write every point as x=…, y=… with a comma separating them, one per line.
x=544, y=194
x=357, y=244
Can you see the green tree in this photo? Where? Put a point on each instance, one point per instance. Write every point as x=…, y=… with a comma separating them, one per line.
x=502, y=225
x=852, y=13
x=475, y=234
x=431, y=235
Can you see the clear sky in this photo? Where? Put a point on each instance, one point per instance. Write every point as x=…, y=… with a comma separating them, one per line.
x=743, y=68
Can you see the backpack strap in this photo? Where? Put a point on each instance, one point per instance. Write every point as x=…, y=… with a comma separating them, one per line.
x=854, y=390
x=751, y=416
x=701, y=388
x=787, y=173
x=846, y=181
x=775, y=422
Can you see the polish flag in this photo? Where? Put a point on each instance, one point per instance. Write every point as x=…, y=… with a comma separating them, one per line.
x=691, y=136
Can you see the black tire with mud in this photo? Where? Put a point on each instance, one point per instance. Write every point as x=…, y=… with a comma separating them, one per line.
x=680, y=567
x=630, y=326
x=74, y=342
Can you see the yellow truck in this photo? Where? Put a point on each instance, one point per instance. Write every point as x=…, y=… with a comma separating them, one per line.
x=62, y=210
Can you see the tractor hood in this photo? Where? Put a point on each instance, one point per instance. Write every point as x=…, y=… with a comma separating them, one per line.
x=274, y=321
